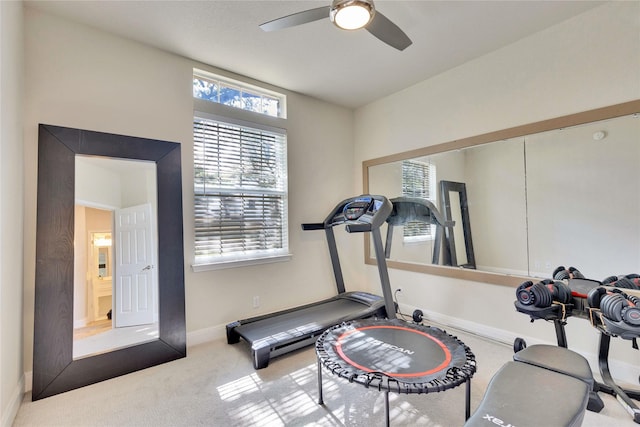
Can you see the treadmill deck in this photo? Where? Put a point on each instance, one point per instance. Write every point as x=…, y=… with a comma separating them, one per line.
x=287, y=330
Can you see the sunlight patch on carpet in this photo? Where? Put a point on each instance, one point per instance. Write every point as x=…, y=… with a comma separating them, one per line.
x=282, y=401
x=237, y=389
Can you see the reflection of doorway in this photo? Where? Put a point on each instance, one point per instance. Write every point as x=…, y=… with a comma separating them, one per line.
x=118, y=266
x=120, y=249
x=92, y=284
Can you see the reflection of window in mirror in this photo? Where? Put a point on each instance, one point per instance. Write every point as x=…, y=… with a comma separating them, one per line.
x=418, y=180
x=102, y=242
x=102, y=262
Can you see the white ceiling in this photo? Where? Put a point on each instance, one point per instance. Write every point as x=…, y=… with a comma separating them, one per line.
x=317, y=59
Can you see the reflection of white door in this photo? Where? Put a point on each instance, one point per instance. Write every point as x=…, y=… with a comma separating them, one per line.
x=135, y=272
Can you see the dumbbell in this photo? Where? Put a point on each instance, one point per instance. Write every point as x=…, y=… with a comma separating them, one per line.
x=560, y=292
x=630, y=281
x=616, y=305
x=631, y=313
x=562, y=273
x=595, y=295
x=543, y=293
x=621, y=307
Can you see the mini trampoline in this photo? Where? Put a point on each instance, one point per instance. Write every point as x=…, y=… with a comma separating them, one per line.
x=395, y=356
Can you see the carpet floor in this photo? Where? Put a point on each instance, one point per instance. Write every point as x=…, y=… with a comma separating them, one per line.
x=216, y=385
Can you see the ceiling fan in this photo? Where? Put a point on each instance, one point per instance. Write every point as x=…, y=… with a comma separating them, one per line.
x=347, y=15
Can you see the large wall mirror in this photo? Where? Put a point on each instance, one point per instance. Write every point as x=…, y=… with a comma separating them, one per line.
x=558, y=192
x=109, y=258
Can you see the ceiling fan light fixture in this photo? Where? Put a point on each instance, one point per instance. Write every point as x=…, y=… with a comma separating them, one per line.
x=351, y=14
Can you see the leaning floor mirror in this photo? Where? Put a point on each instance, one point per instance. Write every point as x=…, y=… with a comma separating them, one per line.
x=109, y=289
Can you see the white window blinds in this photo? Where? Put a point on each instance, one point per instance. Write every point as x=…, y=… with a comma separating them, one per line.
x=240, y=192
x=418, y=180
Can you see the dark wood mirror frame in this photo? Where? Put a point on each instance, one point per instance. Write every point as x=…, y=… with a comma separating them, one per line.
x=618, y=110
x=54, y=369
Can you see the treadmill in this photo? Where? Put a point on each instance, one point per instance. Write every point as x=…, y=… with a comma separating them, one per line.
x=284, y=331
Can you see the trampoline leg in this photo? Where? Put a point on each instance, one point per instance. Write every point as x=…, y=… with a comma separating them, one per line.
x=320, y=400
x=467, y=403
x=386, y=406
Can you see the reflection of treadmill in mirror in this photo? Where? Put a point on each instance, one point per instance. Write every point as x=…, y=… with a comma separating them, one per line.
x=278, y=333
x=415, y=209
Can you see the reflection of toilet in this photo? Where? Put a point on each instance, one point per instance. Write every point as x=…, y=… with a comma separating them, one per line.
x=101, y=290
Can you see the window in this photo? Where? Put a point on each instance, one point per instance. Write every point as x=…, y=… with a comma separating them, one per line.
x=240, y=193
x=418, y=180
x=236, y=94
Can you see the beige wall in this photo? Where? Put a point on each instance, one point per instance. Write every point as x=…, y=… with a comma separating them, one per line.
x=82, y=78
x=587, y=62
x=11, y=210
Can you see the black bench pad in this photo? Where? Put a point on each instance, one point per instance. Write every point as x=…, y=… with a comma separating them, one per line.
x=557, y=359
x=522, y=395
x=566, y=362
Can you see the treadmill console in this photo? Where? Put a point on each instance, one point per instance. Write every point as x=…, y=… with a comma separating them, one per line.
x=359, y=214
x=365, y=210
x=354, y=210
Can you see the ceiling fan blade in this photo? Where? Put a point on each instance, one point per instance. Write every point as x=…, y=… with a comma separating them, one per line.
x=388, y=32
x=297, y=19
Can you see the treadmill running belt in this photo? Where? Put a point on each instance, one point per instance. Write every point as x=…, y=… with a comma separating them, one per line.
x=303, y=321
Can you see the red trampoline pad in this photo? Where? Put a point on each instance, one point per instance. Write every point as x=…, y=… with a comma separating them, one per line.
x=396, y=351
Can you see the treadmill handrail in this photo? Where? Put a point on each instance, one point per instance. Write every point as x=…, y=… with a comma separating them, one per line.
x=313, y=226
x=358, y=227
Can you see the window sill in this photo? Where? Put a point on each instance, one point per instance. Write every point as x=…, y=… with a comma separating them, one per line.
x=409, y=241
x=210, y=266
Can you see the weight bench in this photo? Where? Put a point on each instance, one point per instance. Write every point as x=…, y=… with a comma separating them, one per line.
x=563, y=361
x=543, y=386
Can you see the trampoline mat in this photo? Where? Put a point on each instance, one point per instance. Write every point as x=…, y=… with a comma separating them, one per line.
x=396, y=355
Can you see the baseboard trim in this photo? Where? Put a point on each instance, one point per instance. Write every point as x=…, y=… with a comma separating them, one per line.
x=205, y=335
x=28, y=381
x=80, y=323
x=9, y=413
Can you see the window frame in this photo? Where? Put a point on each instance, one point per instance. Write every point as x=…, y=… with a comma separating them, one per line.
x=223, y=83
x=234, y=116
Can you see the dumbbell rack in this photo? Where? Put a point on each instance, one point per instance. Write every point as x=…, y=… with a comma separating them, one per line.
x=607, y=330
x=558, y=313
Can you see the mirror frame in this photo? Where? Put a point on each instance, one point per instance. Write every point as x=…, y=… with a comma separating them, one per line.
x=604, y=113
x=54, y=369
